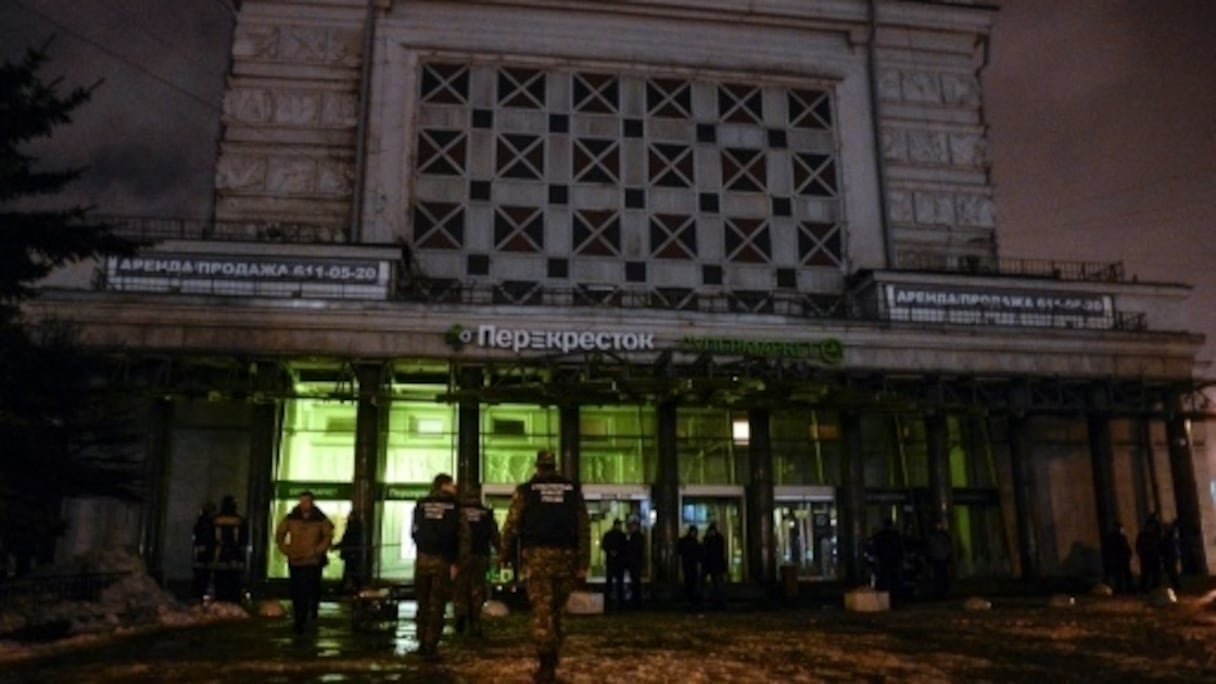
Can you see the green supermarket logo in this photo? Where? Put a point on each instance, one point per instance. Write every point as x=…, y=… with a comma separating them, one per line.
x=458, y=337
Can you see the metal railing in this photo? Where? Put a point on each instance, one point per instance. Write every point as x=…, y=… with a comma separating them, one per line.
x=973, y=264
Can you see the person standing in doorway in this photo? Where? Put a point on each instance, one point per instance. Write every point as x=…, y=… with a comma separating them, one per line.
x=231, y=540
x=304, y=537
x=437, y=534
x=713, y=563
x=549, y=518
x=1148, y=547
x=689, y=551
x=613, y=546
x=1118, y=560
x=203, y=551
x=350, y=550
x=888, y=551
x=481, y=537
x=635, y=558
x=939, y=551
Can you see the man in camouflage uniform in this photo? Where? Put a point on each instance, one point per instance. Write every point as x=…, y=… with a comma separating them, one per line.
x=438, y=534
x=482, y=536
x=549, y=518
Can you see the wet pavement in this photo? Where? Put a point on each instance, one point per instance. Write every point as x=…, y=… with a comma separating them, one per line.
x=1019, y=640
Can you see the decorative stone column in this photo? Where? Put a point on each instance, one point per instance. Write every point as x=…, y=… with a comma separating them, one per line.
x=851, y=501
x=370, y=413
x=1023, y=493
x=156, y=459
x=1102, y=458
x=266, y=418
x=1186, y=490
x=570, y=458
x=762, y=546
x=941, y=492
x=468, y=432
x=666, y=498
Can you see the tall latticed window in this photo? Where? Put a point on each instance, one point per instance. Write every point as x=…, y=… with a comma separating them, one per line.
x=703, y=194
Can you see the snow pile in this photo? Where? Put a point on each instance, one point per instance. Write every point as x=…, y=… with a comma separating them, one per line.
x=1101, y=589
x=1061, y=601
x=131, y=600
x=975, y=603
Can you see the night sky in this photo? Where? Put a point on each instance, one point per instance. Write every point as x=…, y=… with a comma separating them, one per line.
x=1102, y=113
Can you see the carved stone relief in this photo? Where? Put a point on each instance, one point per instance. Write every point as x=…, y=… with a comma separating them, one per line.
x=240, y=173
x=976, y=210
x=928, y=147
x=888, y=85
x=255, y=41
x=960, y=89
x=895, y=144
x=339, y=110
x=291, y=175
x=969, y=150
x=248, y=105
x=934, y=208
x=899, y=205
x=297, y=108
x=334, y=177
x=921, y=86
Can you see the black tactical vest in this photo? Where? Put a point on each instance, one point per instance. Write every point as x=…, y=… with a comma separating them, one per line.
x=481, y=520
x=230, y=538
x=436, y=526
x=550, y=516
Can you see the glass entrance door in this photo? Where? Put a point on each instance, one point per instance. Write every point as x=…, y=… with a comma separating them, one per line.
x=805, y=522
x=608, y=503
x=725, y=510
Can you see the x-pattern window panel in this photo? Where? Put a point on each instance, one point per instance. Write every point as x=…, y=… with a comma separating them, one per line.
x=596, y=294
x=596, y=93
x=814, y=174
x=673, y=236
x=518, y=292
x=445, y=84
x=596, y=160
x=521, y=88
x=439, y=225
x=669, y=98
x=744, y=170
x=597, y=233
x=671, y=165
x=810, y=109
x=442, y=152
x=741, y=103
x=521, y=156
x=748, y=241
x=615, y=172
x=519, y=229
x=820, y=244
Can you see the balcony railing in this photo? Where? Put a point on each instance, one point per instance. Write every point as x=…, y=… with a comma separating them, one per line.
x=972, y=264
x=155, y=229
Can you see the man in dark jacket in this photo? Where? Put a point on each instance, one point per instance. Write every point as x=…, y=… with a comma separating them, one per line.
x=1117, y=560
x=635, y=558
x=1148, y=547
x=713, y=562
x=203, y=550
x=481, y=537
x=549, y=518
x=231, y=540
x=350, y=550
x=305, y=536
x=437, y=534
x=939, y=551
x=613, y=546
x=689, y=551
x=887, y=544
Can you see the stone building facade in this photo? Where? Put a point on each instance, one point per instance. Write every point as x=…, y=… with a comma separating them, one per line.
x=737, y=262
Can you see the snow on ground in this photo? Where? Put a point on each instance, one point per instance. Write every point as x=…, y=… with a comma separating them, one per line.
x=1117, y=640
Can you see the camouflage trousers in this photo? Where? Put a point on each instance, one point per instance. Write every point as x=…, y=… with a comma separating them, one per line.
x=551, y=575
x=471, y=589
x=432, y=587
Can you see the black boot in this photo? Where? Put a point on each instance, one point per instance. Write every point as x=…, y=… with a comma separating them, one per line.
x=546, y=671
x=460, y=620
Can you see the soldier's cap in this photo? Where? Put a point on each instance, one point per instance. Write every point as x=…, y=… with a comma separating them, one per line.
x=546, y=459
x=440, y=480
x=616, y=521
